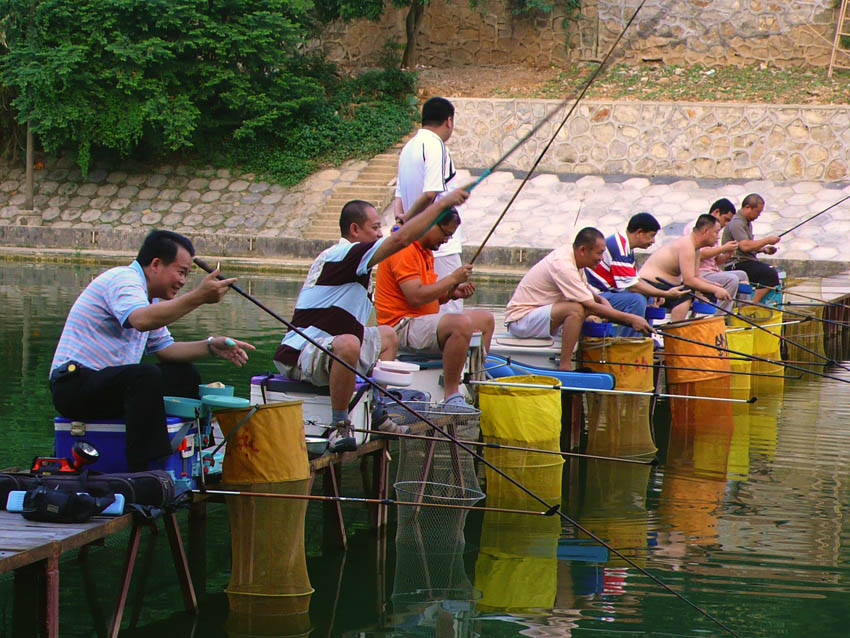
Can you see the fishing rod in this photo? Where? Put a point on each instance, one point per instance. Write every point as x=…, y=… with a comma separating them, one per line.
x=820, y=302
x=556, y=509
x=766, y=325
x=531, y=170
x=543, y=386
x=377, y=501
x=808, y=219
x=751, y=356
x=500, y=446
x=797, y=314
x=755, y=324
x=638, y=365
x=746, y=357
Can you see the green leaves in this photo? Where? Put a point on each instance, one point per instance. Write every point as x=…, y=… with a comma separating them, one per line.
x=114, y=75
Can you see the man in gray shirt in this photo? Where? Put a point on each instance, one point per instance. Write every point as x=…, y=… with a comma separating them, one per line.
x=740, y=229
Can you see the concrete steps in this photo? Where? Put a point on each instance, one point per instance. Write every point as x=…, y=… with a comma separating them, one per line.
x=375, y=184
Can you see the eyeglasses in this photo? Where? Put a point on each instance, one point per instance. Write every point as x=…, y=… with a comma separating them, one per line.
x=446, y=234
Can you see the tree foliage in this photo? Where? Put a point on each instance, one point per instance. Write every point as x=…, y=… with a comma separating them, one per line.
x=165, y=75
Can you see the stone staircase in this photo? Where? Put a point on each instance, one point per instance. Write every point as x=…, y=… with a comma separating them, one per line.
x=375, y=184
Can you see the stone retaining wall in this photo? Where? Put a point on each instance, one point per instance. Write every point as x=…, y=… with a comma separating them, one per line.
x=724, y=32
x=750, y=141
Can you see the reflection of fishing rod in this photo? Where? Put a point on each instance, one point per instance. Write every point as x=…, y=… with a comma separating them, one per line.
x=376, y=501
x=808, y=219
x=555, y=509
x=754, y=324
x=644, y=365
x=751, y=356
x=531, y=170
x=543, y=386
x=498, y=446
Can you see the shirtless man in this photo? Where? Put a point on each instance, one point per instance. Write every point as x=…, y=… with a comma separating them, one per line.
x=676, y=263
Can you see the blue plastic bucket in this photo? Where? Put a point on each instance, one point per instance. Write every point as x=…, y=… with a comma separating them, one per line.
x=596, y=329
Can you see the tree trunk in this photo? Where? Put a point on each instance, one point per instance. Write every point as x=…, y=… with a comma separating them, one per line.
x=411, y=26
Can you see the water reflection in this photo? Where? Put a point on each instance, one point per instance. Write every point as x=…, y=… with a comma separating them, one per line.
x=746, y=515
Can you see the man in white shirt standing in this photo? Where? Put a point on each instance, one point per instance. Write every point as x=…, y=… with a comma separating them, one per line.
x=424, y=171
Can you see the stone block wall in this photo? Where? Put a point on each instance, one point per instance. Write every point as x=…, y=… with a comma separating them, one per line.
x=453, y=33
x=723, y=32
x=706, y=140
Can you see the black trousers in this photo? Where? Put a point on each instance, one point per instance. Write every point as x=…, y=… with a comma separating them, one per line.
x=133, y=393
x=759, y=272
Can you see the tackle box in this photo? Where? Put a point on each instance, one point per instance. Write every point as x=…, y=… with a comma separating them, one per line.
x=108, y=436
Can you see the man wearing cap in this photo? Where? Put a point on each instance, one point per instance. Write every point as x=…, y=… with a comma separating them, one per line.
x=122, y=315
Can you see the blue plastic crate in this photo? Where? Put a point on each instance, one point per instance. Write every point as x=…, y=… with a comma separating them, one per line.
x=108, y=437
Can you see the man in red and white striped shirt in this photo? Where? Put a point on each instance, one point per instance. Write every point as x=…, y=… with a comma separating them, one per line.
x=616, y=278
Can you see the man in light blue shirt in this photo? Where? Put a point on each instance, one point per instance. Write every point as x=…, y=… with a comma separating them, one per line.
x=122, y=315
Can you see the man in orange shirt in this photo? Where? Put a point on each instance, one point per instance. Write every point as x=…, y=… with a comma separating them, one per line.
x=408, y=298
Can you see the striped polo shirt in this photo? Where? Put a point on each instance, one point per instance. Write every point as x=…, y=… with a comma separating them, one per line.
x=617, y=269
x=97, y=332
x=334, y=299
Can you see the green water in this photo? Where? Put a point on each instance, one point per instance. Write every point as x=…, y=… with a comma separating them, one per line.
x=746, y=516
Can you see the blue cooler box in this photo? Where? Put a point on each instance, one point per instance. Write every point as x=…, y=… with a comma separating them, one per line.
x=108, y=437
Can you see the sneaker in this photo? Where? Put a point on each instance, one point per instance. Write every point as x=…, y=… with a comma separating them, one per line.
x=341, y=438
x=389, y=427
x=456, y=400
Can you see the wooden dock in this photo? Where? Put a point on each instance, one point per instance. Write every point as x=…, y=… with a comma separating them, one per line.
x=32, y=550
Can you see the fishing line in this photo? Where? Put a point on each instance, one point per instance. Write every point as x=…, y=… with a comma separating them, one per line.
x=543, y=386
x=376, y=501
x=593, y=76
x=751, y=356
x=498, y=446
x=843, y=199
x=755, y=324
x=555, y=509
x=668, y=367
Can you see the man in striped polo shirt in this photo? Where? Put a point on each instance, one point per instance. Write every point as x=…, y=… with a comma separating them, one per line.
x=616, y=278
x=119, y=317
x=334, y=305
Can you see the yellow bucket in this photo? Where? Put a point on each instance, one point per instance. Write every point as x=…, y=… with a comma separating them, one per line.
x=521, y=414
x=741, y=340
x=628, y=359
x=269, y=447
x=710, y=330
x=765, y=342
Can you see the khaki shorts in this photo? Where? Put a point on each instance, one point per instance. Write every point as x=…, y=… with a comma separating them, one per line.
x=419, y=334
x=314, y=366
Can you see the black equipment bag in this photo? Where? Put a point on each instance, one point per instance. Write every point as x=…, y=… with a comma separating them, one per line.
x=154, y=488
x=56, y=506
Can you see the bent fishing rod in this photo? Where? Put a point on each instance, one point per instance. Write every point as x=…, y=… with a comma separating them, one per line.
x=375, y=501
x=498, y=446
x=531, y=170
x=808, y=219
x=803, y=315
x=544, y=386
x=755, y=324
x=667, y=367
x=818, y=302
x=555, y=509
x=750, y=356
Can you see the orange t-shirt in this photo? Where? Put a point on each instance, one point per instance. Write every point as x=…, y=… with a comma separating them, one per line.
x=413, y=262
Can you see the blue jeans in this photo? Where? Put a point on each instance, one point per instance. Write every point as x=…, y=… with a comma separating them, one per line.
x=632, y=302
